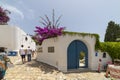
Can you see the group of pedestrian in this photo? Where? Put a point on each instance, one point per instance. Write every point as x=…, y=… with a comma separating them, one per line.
x=25, y=53
x=4, y=59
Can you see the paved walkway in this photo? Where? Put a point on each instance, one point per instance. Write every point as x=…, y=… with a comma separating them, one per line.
x=40, y=71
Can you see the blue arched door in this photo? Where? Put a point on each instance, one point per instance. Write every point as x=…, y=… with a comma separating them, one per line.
x=73, y=54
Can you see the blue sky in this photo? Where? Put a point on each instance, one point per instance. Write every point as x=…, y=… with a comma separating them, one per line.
x=88, y=16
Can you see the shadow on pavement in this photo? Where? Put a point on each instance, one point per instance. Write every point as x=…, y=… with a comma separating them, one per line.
x=42, y=66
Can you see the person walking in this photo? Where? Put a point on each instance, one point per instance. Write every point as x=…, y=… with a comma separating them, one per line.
x=29, y=52
x=3, y=63
x=22, y=54
x=99, y=65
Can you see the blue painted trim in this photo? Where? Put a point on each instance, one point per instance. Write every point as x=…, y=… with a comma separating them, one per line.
x=73, y=53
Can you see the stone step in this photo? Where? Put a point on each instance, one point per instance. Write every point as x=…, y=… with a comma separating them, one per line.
x=79, y=70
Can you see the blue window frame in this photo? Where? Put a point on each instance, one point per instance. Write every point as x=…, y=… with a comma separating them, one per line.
x=96, y=54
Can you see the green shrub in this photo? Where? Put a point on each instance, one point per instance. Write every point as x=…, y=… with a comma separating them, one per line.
x=113, y=49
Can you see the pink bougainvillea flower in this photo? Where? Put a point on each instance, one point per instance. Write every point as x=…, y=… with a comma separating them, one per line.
x=51, y=29
x=3, y=16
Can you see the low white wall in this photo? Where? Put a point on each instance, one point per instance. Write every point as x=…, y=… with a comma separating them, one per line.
x=61, y=43
x=103, y=60
x=65, y=41
x=58, y=59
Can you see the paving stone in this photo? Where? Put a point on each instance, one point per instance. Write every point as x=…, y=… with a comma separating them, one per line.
x=35, y=70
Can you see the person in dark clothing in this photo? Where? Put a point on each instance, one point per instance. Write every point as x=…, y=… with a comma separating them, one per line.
x=29, y=52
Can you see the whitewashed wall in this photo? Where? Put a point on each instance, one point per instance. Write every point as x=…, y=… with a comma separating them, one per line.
x=12, y=37
x=59, y=57
x=103, y=60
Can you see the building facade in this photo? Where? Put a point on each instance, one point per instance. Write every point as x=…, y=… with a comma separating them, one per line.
x=68, y=52
x=12, y=37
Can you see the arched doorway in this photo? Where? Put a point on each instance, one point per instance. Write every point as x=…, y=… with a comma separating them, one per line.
x=77, y=52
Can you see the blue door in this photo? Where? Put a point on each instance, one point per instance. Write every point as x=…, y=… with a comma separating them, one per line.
x=73, y=54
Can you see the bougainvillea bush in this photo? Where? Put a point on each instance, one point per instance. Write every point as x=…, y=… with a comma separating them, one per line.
x=45, y=33
x=4, y=18
x=51, y=29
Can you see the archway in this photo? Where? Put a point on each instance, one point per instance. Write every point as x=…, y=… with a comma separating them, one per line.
x=77, y=52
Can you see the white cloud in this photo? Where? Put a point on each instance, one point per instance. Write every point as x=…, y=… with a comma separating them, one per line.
x=31, y=14
x=13, y=9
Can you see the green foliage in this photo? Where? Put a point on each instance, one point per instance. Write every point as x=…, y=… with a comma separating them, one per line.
x=54, y=23
x=113, y=49
x=97, y=45
x=112, y=32
x=75, y=33
x=82, y=55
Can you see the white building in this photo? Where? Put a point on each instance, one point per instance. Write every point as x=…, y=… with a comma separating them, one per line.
x=13, y=37
x=64, y=52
